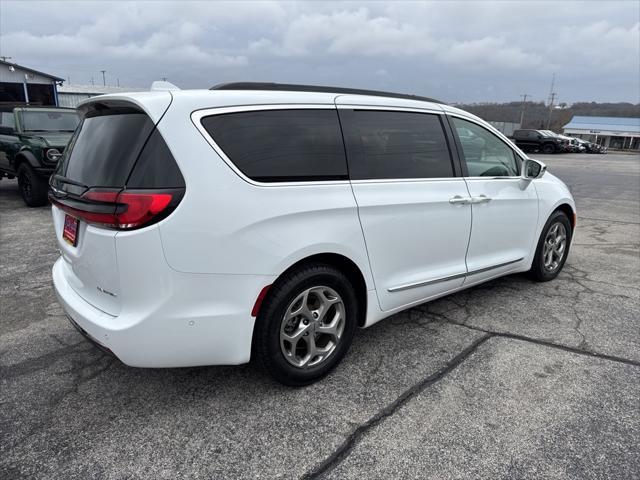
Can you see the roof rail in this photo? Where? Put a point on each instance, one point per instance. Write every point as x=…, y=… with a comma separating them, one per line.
x=316, y=88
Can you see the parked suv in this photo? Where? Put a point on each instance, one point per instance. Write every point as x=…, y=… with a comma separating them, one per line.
x=32, y=140
x=269, y=221
x=538, y=140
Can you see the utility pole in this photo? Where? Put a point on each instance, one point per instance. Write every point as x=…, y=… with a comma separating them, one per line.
x=118, y=81
x=524, y=106
x=552, y=97
x=92, y=82
x=104, y=83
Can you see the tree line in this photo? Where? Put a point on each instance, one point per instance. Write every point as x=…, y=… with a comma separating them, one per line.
x=536, y=114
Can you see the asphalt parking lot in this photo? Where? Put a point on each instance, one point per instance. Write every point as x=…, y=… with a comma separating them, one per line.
x=510, y=379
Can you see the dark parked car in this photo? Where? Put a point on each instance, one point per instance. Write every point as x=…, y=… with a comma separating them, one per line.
x=591, y=147
x=537, y=140
x=32, y=140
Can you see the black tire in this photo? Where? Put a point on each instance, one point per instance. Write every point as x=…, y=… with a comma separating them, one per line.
x=266, y=337
x=548, y=148
x=33, y=188
x=539, y=271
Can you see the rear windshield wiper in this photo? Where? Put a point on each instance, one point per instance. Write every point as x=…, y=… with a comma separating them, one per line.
x=62, y=179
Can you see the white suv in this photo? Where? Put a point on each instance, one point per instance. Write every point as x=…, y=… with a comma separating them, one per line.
x=204, y=227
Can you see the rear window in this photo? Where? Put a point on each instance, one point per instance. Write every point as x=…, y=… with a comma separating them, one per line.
x=282, y=145
x=105, y=147
x=387, y=145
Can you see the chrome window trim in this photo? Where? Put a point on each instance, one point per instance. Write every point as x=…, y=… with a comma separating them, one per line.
x=405, y=180
x=350, y=106
x=424, y=283
x=198, y=115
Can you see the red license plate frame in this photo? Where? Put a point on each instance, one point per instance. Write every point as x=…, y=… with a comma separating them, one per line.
x=70, y=230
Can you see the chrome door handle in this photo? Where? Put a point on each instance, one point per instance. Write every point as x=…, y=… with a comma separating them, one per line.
x=480, y=199
x=458, y=200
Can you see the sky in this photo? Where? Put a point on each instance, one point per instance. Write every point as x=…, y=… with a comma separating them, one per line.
x=456, y=51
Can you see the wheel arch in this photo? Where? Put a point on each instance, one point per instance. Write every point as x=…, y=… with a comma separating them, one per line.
x=569, y=212
x=346, y=266
x=25, y=156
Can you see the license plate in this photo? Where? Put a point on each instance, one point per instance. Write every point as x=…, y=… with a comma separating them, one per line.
x=70, y=232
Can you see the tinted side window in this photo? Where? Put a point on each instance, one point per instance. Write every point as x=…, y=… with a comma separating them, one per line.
x=384, y=145
x=484, y=153
x=282, y=145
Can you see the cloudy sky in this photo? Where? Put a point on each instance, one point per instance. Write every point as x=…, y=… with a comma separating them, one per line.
x=467, y=51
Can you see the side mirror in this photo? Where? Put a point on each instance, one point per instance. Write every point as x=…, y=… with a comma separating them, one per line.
x=532, y=169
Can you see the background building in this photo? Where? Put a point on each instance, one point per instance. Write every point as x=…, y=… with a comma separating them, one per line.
x=20, y=84
x=612, y=132
x=72, y=95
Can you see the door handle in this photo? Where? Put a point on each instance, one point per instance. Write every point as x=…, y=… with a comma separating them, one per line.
x=458, y=200
x=480, y=199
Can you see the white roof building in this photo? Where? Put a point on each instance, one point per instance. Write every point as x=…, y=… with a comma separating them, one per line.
x=72, y=95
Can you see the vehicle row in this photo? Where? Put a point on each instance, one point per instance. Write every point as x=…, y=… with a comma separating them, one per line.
x=547, y=141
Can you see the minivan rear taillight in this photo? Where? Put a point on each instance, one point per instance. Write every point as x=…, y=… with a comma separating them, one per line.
x=121, y=209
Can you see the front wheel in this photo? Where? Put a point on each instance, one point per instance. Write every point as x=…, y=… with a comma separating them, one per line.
x=33, y=188
x=306, y=324
x=552, y=249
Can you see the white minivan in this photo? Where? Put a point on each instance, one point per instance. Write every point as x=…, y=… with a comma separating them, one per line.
x=269, y=221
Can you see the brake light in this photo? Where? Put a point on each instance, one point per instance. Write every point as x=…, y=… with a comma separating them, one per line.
x=141, y=208
x=120, y=209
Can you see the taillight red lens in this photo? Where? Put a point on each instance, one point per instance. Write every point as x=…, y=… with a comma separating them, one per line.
x=141, y=207
x=119, y=209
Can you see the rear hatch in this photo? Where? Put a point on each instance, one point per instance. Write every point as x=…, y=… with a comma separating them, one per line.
x=117, y=174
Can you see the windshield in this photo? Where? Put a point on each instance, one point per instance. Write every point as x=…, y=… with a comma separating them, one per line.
x=49, y=121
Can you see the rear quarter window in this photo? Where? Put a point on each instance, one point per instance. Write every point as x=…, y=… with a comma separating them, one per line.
x=282, y=145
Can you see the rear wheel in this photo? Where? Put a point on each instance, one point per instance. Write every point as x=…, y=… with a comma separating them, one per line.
x=553, y=248
x=33, y=188
x=306, y=324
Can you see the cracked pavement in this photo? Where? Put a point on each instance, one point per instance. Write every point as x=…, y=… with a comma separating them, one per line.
x=509, y=379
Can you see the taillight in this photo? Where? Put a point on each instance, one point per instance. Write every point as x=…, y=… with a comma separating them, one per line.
x=120, y=209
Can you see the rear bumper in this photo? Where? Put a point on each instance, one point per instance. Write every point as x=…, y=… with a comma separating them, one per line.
x=200, y=320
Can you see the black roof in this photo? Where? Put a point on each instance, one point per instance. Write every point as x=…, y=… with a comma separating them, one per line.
x=15, y=65
x=290, y=87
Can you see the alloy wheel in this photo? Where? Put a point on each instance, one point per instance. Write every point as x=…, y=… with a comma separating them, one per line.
x=312, y=327
x=25, y=184
x=555, y=244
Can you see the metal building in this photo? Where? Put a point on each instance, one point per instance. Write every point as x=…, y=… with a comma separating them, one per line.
x=20, y=84
x=72, y=95
x=621, y=133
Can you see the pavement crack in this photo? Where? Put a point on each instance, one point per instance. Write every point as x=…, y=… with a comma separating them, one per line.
x=547, y=343
x=345, y=448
